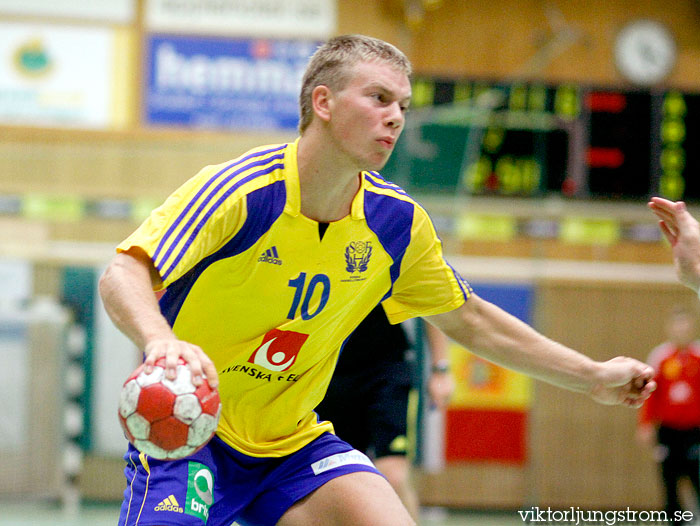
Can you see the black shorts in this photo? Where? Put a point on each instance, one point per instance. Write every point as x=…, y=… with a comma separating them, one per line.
x=369, y=409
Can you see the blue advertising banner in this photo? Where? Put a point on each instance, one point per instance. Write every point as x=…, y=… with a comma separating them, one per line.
x=514, y=298
x=214, y=83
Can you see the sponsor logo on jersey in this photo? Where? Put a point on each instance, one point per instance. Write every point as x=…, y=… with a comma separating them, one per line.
x=200, y=490
x=169, y=504
x=278, y=350
x=341, y=459
x=357, y=256
x=260, y=374
x=671, y=369
x=270, y=256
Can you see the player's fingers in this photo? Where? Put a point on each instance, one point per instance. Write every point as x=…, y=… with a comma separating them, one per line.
x=665, y=216
x=152, y=354
x=661, y=202
x=196, y=365
x=685, y=221
x=172, y=357
x=202, y=367
x=640, y=390
x=148, y=364
x=633, y=403
x=210, y=373
x=649, y=388
x=644, y=375
x=668, y=234
x=669, y=223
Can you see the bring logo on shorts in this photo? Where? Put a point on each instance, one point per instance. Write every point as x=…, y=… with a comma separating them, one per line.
x=200, y=490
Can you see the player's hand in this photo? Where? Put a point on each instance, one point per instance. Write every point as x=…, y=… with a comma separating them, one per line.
x=441, y=386
x=683, y=233
x=623, y=381
x=199, y=363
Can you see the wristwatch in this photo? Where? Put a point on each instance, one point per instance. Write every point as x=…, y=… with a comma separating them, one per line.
x=441, y=366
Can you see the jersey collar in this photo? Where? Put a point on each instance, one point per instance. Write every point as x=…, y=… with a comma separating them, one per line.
x=293, y=204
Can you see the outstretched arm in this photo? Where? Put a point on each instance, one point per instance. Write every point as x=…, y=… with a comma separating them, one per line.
x=126, y=288
x=683, y=232
x=497, y=336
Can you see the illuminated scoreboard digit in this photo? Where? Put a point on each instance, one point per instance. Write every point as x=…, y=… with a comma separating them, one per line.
x=509, y=140
x=517, y=162
x=678, y=137
x=618, y=157
x=533, y=140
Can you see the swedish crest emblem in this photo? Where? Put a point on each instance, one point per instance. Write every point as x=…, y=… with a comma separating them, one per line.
x=357, y=256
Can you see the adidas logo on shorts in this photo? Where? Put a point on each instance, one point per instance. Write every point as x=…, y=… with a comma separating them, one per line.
x=169, y=504
x=270, y=256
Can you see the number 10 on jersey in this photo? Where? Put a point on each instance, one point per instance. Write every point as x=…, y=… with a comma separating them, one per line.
x=304, y=293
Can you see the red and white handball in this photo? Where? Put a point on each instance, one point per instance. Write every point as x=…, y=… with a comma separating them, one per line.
x=168, y=419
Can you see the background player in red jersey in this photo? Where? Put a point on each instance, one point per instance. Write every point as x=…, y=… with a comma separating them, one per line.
x=670, y=418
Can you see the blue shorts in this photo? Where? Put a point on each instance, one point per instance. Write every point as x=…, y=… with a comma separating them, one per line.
x=218, y=484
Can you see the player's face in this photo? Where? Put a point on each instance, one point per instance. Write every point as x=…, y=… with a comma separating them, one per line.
x=369, y=113
x=681, y=329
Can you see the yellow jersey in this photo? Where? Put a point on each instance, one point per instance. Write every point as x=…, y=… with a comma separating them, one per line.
x=271, y=300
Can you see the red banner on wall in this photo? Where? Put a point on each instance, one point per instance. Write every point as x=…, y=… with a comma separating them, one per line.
x=486, y=435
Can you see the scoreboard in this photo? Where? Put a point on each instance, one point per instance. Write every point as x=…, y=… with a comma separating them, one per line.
x=521, y=139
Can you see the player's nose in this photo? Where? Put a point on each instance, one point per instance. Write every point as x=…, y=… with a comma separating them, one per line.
x=395, y=116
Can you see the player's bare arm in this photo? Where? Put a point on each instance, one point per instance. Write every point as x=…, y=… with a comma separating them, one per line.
x=126, y=288
x=501, y=338
x=683, y=233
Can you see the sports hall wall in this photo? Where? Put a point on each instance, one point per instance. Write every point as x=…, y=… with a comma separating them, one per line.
x=605, y=295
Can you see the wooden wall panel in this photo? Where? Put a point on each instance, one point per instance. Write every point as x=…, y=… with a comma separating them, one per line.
x=583, y=453
x=474, y=486
x=120, y=165
x=498, y=39
x=380, y=19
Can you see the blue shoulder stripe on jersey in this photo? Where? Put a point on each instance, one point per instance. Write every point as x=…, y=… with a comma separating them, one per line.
x=463, y=285
x=264, y=207
x=209, y=213
x=391, y=220
x=206, y=200
x=378, y=181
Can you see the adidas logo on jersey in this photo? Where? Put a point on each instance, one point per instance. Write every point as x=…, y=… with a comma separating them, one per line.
x=270, y=256
x=169, y=504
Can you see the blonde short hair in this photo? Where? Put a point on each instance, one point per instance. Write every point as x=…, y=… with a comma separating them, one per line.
x=330, y=66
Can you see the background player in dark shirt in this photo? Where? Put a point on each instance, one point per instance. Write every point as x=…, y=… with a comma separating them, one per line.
x=368, y=398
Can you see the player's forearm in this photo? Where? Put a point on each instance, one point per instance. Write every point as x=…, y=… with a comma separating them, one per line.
x=501, y=338
x=125, y=289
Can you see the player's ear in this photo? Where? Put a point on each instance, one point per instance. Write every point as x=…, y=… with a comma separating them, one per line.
x=322, y=102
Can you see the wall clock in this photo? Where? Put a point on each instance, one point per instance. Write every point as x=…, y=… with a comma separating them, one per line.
x=645, y=52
